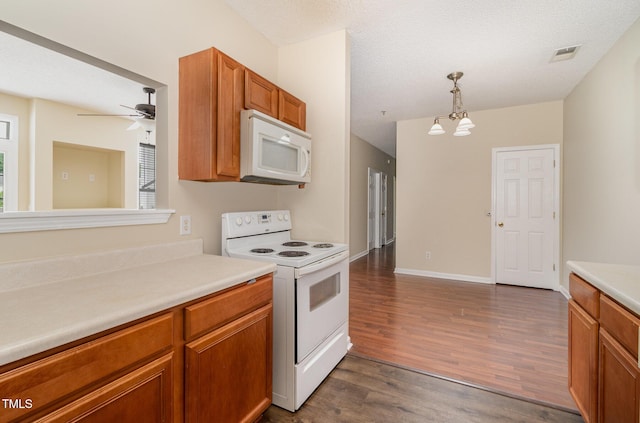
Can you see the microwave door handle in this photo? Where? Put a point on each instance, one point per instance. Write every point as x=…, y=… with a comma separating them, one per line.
x=305, y=153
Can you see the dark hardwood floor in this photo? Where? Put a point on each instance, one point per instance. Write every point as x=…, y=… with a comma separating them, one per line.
x=505, y=338
x=363, y=391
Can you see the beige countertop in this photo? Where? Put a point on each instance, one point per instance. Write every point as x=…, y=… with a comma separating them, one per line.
x=618, y=281
x=38, y=316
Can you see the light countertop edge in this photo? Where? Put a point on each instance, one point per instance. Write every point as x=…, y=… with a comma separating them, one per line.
x=36, y=319
x=620, y=282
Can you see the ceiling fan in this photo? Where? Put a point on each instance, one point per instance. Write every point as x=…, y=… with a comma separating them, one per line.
x=142, y=111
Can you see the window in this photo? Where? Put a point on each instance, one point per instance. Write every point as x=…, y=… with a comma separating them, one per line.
x=147, y=176
x=8, y=163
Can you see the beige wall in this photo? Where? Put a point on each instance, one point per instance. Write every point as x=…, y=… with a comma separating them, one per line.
x=444, y=186
x=149, y=41
x=602, y=159
x=363, y=157
x=323, y=205
x=87, y=177
x=58, y=122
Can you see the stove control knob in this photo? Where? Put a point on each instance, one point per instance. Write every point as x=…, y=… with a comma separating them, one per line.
x=247, y=219
x=239, y=221
x=280, y=216
x=286, y=217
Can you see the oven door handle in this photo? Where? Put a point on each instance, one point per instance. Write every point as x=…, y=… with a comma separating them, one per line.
x=322, y=264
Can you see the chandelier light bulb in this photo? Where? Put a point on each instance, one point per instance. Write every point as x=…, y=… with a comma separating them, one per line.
x=436, y=129
x=465, y=123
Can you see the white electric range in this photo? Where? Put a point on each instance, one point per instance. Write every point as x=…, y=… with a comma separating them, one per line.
x=310, y=299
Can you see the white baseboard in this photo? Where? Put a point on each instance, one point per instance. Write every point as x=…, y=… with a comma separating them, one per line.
x=438, y=275
x=565, y=292
x=359, y=255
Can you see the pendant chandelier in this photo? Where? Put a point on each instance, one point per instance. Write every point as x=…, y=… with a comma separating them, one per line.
x=457, y=112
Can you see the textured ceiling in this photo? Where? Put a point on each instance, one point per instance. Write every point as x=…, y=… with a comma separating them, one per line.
x=402, y=50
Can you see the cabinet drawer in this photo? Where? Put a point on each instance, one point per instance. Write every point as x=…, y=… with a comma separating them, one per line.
x=62, y=375
x=620, y=324
x=585, y=295
x=215, y=312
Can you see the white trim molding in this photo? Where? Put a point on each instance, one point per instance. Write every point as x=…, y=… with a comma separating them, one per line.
x=357, y=256
x=82, y=218
x=449, y=276
x=564, y=291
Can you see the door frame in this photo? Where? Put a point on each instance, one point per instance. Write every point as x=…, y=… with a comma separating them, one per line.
x=556, y=205
x=377, y=213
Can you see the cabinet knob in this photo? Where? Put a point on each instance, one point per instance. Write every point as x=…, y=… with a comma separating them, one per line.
x=500, y=224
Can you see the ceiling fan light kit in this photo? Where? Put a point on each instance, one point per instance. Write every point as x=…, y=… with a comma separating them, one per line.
x=457, y=112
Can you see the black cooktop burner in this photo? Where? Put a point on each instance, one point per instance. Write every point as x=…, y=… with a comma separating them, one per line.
x=293, y=253
x=262, y=250
x=295, y=244
x=323, y=245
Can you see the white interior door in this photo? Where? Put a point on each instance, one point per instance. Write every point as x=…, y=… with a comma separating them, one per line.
x=525, y=231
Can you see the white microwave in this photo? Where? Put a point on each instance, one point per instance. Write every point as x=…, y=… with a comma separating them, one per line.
x=273, y=152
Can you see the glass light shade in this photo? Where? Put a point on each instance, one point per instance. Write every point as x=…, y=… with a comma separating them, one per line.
x=148, y=125
x=436, y=129
x=465, y=123
x=461, y=132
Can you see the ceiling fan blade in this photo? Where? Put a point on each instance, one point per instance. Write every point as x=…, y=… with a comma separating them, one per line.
x=128, y=107
x=141, y=113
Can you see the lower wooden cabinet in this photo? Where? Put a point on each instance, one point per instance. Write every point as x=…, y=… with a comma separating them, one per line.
x=142, y=396
x=583, y=361
x=604, y=377
x=619, y=383
x=217, y=348
x=228, y=377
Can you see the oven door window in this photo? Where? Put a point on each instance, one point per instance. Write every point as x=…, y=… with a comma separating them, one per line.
x=324, y=291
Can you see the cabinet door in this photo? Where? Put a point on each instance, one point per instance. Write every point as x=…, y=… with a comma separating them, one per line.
x=583, y=361
x=142, y=396
x=292, y=110
x=230, y=103
x=619, y=383
x=260, y=94
x=228, y=371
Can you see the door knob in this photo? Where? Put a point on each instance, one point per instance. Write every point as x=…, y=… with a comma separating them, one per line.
x=501, y=224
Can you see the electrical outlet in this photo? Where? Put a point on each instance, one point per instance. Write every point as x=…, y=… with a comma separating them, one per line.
x=185, y=225
x=427, y=255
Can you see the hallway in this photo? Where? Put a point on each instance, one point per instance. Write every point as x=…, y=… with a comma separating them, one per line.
x=503, y=338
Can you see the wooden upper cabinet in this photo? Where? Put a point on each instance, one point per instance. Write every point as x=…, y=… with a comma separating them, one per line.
x=211, y=97
x=260, y=94
x=292, y=110
x=214, y=88
x=266, y=97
